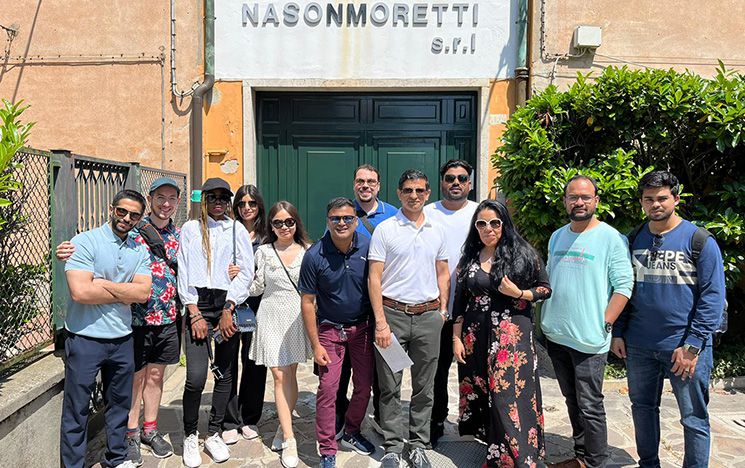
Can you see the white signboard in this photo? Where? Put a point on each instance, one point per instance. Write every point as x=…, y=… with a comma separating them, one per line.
x=365, y=39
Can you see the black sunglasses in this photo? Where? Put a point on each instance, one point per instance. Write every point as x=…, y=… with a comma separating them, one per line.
x=409, y=191
x=251, y=204
x=347, y=219
x=495, y=223
x=450, y=178
x=122, y=213
x=212, y=198
x=278, y=223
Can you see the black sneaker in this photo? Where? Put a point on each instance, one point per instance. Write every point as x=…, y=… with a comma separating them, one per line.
x=358, y=443
x=436, y=430
x=418, y=458
x=390, y=460
x=159, y=447
x=133, y=449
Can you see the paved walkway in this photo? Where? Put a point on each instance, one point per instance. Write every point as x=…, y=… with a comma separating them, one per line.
x=726, y=409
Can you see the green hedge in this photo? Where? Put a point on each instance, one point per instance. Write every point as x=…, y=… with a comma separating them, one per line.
x=619, y=127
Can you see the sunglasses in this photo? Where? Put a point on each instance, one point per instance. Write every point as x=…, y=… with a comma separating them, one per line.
x=278, y=223
x=122, y=213
x=450, y=178
x=251, y=204
x=370, y=182
x=346, y=219
x=495, y=224
x=409, y=191
x=212, y=198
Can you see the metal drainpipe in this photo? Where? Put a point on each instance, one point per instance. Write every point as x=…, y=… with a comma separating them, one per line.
x=522, y=72
x=195, y=127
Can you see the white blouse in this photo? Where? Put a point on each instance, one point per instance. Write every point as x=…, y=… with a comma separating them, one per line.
x=192, y=262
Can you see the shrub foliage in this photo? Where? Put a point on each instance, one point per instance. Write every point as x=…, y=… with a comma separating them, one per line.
x=619, y=127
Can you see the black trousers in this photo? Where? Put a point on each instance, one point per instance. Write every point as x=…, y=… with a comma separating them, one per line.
x=440, y=404
x=580, y=378
x=84, y=357
x=246, y=402
x=197, y=363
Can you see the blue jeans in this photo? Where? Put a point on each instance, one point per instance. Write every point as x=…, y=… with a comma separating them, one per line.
x=647, y=370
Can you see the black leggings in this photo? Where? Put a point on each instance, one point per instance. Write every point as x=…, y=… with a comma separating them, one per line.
x=197, y=360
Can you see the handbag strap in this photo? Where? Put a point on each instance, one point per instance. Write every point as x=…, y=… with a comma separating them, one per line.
x=285, y=268
x=234, y=261
x=362, y=215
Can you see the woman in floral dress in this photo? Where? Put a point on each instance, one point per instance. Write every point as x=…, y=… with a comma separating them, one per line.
x=500, y=276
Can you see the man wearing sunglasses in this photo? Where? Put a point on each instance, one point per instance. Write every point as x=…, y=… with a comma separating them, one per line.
x=154, y=323
x=409, y=284
x=106, y=273
x=667, y=333
x=591, y=280
x=333, y=275
x=453, y=215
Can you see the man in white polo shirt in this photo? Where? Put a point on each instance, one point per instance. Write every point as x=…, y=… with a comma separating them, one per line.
x=453, y=215
x=409, y=284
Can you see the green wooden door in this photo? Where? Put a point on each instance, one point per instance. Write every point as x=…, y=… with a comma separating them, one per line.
x=310, y=143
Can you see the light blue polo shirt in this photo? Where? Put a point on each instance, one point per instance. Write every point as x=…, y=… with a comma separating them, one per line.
x=381, y=213
x=102, y=253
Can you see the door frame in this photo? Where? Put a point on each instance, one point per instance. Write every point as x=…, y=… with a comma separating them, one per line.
x=482, y=88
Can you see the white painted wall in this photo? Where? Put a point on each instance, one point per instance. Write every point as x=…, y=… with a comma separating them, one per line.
x=275, y=48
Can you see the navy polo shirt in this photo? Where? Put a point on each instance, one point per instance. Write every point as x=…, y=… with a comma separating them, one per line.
x=381, y=213
x=338, y=280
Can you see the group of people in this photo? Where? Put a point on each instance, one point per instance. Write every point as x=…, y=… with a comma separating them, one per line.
x=449, y=280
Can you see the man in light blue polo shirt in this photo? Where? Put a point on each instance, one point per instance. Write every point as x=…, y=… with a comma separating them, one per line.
x=107, y=272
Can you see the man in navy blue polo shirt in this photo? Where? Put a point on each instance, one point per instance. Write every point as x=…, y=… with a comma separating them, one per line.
x=334, y=276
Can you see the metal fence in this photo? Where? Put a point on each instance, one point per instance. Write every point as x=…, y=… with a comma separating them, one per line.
x=61, y=194
x=25, y=263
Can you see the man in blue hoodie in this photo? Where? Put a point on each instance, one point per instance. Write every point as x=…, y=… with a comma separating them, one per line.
x=677, y=304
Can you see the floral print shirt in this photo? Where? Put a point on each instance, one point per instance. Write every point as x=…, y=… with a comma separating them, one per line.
x=161, y=308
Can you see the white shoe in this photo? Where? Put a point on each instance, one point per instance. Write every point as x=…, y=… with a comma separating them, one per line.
x=250, y=432
x=192, y=457
x=217, y=449
x=278, y=442
x=289, y=454
x=126, y=464
x=230, y=437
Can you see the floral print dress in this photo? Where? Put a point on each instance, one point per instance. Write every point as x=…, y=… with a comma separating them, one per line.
x=500, y=395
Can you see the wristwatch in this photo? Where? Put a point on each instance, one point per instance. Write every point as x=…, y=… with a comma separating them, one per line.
x=445, y=314
x=608, y=327
x=692, y=349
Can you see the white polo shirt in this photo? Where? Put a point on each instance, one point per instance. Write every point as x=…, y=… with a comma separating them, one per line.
x=409, y=254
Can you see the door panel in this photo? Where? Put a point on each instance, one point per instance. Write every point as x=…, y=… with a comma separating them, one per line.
x=310, y=143
x=397, y=153
x=325, y=164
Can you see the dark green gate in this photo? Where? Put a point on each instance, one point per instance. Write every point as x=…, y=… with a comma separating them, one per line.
x=310, y=143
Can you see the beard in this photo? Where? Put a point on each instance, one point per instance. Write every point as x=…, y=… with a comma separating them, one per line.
x=115, y=225
x=581, y=217
x=663, y=216
x=458, y=197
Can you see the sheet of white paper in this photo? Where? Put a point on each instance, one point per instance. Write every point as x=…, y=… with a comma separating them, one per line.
x=395, y=356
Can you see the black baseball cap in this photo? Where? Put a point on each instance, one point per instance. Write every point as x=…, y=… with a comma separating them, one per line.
x=214, y=183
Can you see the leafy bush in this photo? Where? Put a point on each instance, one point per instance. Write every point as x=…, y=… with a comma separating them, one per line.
x=616, y=129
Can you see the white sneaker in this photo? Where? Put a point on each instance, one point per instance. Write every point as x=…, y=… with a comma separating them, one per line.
x=279, y=438
x=250, y=432
x=217, y=449
x=126, y=464
x=192, y=457
x=230, y=437
x=289, y=454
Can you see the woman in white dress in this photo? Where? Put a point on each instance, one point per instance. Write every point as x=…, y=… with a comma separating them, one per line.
x=280, y=342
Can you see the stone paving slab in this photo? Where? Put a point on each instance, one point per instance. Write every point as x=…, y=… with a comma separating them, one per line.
x=728, y=448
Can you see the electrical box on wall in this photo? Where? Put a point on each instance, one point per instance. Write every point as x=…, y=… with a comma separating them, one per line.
x=587, y=37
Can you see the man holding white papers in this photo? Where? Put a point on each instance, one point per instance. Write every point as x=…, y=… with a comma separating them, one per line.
x=333, y=276
x=409, y=284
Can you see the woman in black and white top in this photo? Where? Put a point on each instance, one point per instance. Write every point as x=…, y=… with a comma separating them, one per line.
x=210, y=296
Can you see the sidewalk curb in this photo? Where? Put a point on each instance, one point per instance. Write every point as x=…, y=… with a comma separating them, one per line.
x=729, y=383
